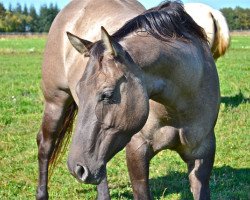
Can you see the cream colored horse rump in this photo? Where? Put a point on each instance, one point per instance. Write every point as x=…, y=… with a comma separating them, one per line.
x=214, y=24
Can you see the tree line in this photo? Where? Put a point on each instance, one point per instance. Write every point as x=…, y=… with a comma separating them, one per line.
x=237, y=18
x=24, y=19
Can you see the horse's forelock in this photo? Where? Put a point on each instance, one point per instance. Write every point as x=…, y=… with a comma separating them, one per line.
x=97, y=50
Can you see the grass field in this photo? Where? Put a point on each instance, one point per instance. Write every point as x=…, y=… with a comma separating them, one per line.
x=21, y=105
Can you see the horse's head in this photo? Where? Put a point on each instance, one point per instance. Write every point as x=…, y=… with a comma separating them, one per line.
x=113, y=105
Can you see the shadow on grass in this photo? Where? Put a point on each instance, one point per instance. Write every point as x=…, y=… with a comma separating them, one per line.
x=234, y=101
x=225, y=183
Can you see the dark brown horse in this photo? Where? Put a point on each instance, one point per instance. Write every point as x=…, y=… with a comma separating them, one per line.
x=151, y=85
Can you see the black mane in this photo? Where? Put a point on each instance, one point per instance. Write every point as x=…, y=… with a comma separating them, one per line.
x=166, y=21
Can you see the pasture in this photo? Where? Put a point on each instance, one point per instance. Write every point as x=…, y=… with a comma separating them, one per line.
x=21, y=107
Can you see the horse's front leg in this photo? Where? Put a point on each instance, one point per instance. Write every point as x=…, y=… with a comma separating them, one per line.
x=199, y=169
x=54, y=116
x=103, y=190
x=139, y=154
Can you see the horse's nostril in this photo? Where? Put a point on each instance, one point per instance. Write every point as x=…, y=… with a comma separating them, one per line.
x=81, y=172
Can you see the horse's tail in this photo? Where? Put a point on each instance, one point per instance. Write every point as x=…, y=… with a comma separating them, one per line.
x=222, y=34
x=64, y=135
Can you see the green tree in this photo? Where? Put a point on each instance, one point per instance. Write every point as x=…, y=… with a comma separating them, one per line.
x=10, y=7
x=243, y=18
x=46, y=17
x=24, y=18
x=25, y=10
x=10, y=22
x=34, y=19
x=13, y=22
x=229, y=15
x=18, y=8
x=237, y=18
x=2, y=10
x=2, y=16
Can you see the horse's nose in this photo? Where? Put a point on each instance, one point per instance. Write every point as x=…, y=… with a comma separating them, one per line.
x=81, y=172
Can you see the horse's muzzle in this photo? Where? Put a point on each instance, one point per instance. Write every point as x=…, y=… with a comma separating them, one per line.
x=81, y=173
x=84, y=175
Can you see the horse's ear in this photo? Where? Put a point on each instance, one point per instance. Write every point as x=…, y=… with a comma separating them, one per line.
x=81, y=45
x=108, y=42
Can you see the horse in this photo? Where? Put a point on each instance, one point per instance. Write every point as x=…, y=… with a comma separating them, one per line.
x=149, y=83
x=214, y=24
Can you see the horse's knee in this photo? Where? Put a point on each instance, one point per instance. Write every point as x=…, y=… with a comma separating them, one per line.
x=52, y=118
x=201, y=160
x=44, y=149
x=205, y=148
x=200, y=163
x=139, y=147
x=45, y=138
x=39, y=137
x=138, y=154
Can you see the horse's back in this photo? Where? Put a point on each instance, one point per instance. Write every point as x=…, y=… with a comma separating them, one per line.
x=83, y=18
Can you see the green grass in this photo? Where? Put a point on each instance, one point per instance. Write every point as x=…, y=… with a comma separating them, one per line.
x=20, y=116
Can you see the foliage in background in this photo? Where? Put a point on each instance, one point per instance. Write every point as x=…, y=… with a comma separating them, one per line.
x=27, y=20
x=237, y=18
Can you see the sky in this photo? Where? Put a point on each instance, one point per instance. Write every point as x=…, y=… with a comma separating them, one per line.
x=147, y=3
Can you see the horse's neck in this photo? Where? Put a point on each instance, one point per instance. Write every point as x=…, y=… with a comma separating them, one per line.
x=166, y=75
x=143, y=50
x=150, y=53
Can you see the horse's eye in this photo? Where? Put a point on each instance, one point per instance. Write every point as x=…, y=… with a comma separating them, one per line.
x=107, y=96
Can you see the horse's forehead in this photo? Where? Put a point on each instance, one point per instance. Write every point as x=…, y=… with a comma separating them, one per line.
x=115, y=67
x=101, y=72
